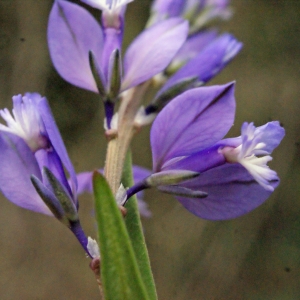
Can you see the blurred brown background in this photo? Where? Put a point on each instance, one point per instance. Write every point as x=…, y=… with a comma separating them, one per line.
x=256, y=256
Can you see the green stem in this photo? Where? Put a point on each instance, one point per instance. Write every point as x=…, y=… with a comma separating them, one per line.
x=135, y=230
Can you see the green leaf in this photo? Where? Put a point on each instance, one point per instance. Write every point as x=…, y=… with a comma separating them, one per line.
x=120, y=275
x=135, y=230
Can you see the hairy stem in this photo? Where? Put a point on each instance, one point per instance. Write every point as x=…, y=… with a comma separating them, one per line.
x=118, y=146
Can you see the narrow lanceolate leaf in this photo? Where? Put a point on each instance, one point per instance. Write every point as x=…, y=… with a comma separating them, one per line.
x=120, y=275
x=135, y=230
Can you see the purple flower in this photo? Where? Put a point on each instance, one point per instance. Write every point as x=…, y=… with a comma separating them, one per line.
x=199, y=69
x=208, y=62
x=32, y=162
x=220, y=179
x=73, y=33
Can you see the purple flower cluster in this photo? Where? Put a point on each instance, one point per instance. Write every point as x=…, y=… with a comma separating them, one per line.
x=88, y=54
x=214, y=178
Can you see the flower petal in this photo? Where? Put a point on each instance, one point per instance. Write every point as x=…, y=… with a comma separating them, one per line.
x=232, y=192
x=198, y=162
x=152, y=51
x=208, y=62
x=271, y=135
x=72, y=33
x=194, y=44
x=85, y=184
x=193, y=121
x=17, y=164
x=140, y=173
x=50, y=159
x=113, y=41
x=56, y=140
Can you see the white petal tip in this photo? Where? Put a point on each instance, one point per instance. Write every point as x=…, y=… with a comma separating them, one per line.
x=93, y=248
x=121, y=195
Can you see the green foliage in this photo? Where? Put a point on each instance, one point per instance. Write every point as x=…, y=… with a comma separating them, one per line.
x=135, y=230
x=120, y=274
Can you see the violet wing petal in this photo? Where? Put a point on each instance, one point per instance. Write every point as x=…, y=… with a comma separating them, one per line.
x=193, y=121
x=208, y=62
x=232, y=192
x=72, y=33
x=17, y=164
x=56, y=140
x=85, y=182
x=194, y=44
x=152, y=51
x=140, y=173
